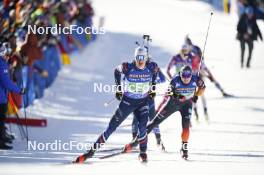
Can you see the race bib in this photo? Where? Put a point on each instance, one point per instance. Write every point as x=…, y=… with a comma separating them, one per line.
x=137, y=88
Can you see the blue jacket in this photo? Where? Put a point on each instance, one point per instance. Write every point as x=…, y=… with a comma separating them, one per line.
x=5, y=83
x=137, y=82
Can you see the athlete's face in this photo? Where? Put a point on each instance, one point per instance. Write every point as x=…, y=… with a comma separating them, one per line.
x=140, y=61
x=186, y=80
x=141, y=64
x=185, y=53
x=186, y=77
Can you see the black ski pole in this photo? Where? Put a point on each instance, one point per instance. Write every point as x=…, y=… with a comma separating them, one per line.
x=25, y=113
x=207, y=32
x=205, y=42
x=106, y=104
x=20, y=125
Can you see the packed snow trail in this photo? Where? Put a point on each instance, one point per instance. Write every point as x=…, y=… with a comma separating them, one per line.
x=233, y=143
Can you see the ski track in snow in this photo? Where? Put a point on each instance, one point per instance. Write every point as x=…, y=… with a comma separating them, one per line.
x=233, y=142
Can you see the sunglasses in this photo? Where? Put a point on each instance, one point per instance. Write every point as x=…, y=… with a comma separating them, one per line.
x=140, y=57
x=186, y=75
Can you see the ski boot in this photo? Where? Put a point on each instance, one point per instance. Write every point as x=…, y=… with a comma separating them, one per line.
x=128, y=147
x=143, y=157
x=226, y=95
x=184, y=150
x=196, y=115
x=92, y=150
x=8, y=134
x=206, y=115
x=161, y=145
x=4, y=137
x=82, y=158
x=248, y=64
x=159, y=142
x=4, y=146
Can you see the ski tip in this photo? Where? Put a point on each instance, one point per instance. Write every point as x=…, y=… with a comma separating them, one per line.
x=79, y=160
x=128, y=148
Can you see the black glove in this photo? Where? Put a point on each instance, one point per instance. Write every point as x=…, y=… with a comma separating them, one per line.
x=152, y=94
x=195, y=98
x=119, y=95
x=23, y=91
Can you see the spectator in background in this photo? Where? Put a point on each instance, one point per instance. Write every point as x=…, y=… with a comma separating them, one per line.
x=31, y=52
x=248, y=32
x=241, y=5
x=5, y=85
x=258, y=6
x=34, y=59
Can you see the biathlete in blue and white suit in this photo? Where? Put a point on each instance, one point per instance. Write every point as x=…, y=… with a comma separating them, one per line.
x=139, y=86
x=160, y=79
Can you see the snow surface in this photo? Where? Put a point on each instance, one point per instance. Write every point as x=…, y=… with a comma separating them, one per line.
x=233, y=142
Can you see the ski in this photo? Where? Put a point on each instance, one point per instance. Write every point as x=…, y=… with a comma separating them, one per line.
x=110, y=150
x=90, y=154
x=117, y=153
x=162, y=147
x=225, y=95
x=112, y=155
